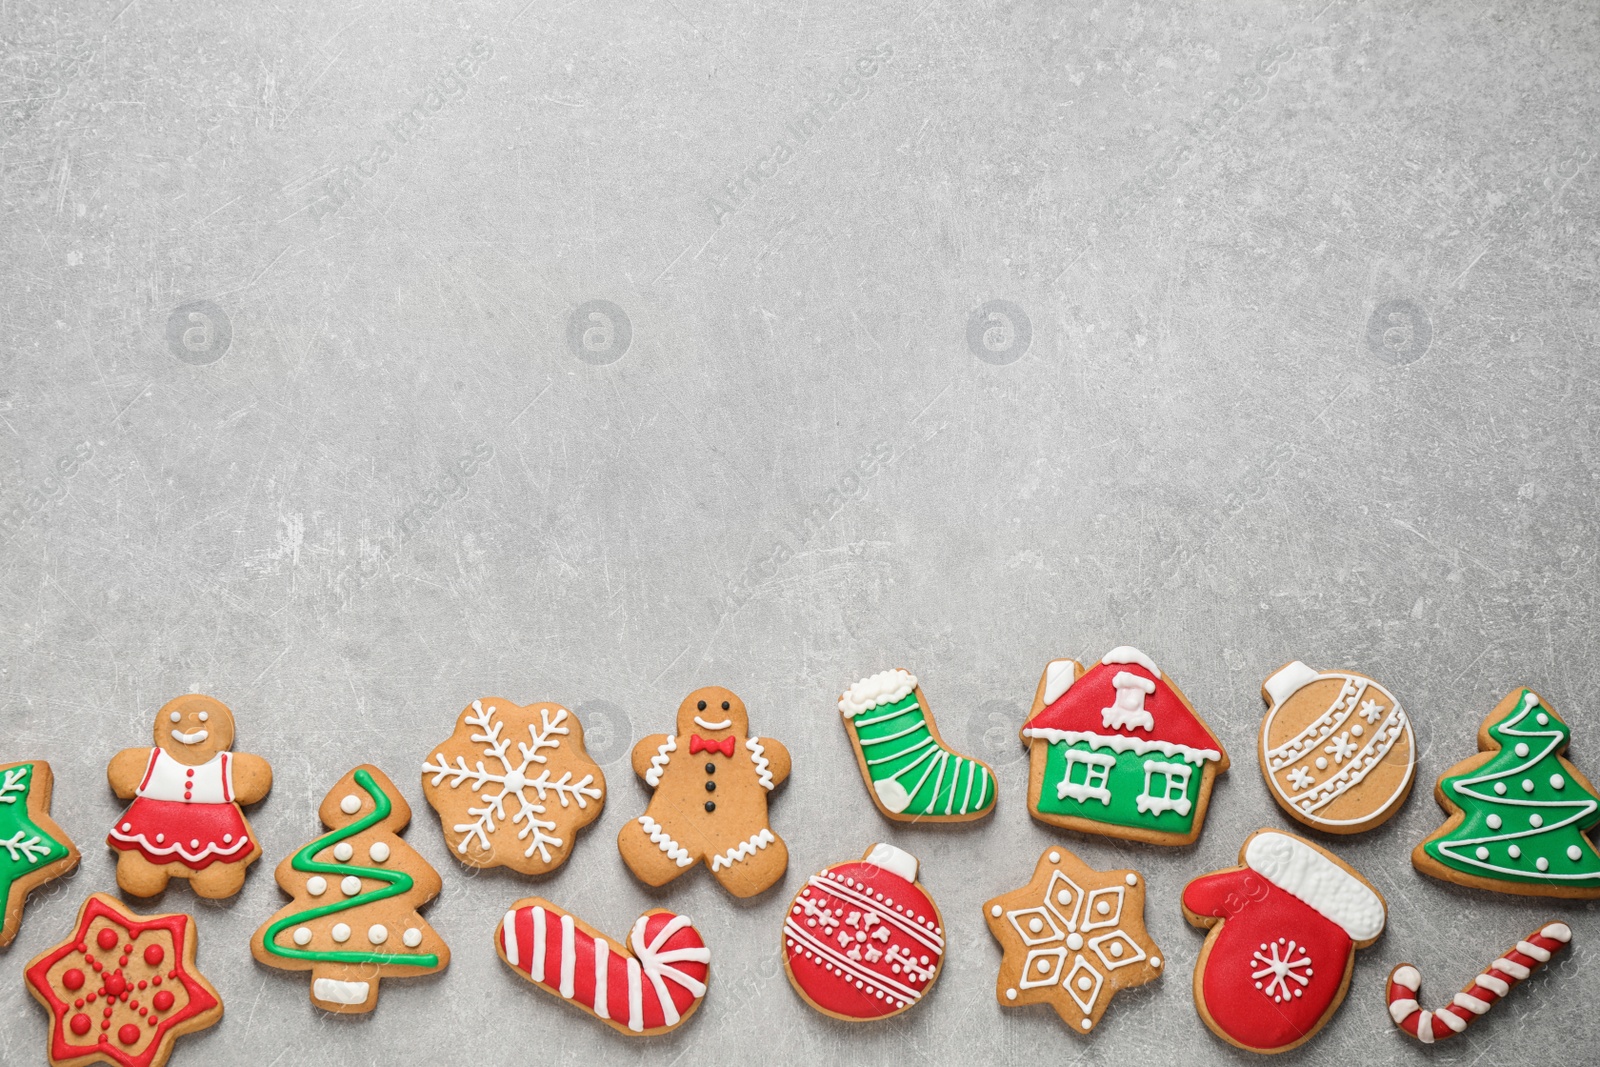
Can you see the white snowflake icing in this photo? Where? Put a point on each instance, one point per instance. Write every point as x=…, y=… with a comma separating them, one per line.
x=1301, y=778
x=1372, y=711
x=1341, y=748
x=514, y=781
x=1279, y=968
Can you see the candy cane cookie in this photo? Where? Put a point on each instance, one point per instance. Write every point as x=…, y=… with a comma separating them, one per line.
x=1480, y=994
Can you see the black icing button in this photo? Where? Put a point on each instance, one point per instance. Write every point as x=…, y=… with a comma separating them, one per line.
x=711, y=787
x=711, y=768
x=711, y=805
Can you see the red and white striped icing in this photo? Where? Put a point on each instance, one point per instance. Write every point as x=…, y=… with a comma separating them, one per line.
x=650, y=989
x=1495, y=982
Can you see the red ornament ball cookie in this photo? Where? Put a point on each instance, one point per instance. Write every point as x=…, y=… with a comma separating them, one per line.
x=863, y=940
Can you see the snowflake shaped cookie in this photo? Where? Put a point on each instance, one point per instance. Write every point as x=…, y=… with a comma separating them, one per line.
x=1072, y=937
x=513, y=785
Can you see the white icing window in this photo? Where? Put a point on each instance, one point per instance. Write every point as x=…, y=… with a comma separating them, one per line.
x=1166, y=787
x=1092, y=786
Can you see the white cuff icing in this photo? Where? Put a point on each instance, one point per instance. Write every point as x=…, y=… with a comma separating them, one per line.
x=885, y=687
x=1303, y=872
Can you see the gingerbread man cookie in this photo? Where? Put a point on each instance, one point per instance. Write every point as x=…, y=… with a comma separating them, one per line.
x=711, y=781
x=33, y=849
x=185, y=821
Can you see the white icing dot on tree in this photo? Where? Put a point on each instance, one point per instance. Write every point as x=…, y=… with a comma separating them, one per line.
x=1527, y=785
x=1574, y=853
x=378, y=933
x=316, y=885
x=350, y=886
x=1515, y=852
x=341, y=933
x=995, y=911
x=379, y=852
x=411, y=938
x=1055, y=857
x=1011, y=994
x=302, y=936
x=1557, y=782
x=1494, y=822
x=1483, y=853
x=1500, y=788
x=342, y=852
x=1155, y=961
x=1521, y=750
x=1542, y=719
x=1133, y=879
x=1536, y=820
x=350, y=804
x=1542, y=863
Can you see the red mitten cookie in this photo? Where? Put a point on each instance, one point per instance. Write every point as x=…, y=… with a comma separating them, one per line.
x=1285, y=926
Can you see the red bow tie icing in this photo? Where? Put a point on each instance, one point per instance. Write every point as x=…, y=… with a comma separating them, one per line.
x=698, y=743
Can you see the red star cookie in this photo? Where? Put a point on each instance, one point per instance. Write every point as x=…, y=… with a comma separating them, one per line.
x=122, y=987
x=1072, y=937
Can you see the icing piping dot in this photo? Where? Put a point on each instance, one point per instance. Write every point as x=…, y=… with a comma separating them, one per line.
x=350, y=804
x=341, y=933
x=411, y=938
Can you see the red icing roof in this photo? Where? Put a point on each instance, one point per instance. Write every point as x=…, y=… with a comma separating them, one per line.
x=1079, y=710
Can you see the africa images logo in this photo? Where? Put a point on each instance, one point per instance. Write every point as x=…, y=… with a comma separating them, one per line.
x=445, y=88
x=851, y=86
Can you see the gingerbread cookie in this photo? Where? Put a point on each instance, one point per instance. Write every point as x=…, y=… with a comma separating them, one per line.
x=122, y=988
x=711, y=781
x=1072, y=938
x=519, y=803
x=1481, y=993
x=185, y=821
x=33, y=849
x=356, y=893
x=1336, y=748
x=863, y=940
x=1519, y=812
x=1118, y=750
x=911, y=774
x=649, y=986
x=1284, y=929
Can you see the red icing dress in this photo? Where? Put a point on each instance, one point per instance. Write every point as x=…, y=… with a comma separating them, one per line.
x=1277, y=964
x=184, y=814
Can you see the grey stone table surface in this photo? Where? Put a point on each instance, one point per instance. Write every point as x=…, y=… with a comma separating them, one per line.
x=361, y=359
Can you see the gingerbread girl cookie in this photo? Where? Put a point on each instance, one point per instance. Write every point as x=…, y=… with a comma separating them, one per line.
x=185, y=821
x=711, y=781
x=33, y=849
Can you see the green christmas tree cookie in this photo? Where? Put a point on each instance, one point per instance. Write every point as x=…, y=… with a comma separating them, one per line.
x=1518, y=811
